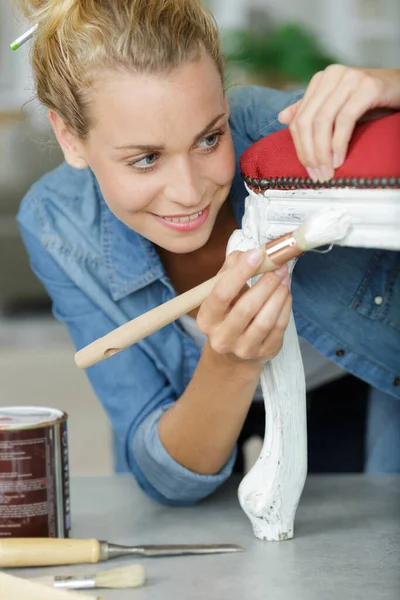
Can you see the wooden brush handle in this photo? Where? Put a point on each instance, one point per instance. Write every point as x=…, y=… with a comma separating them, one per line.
x=42, y=552
x=142, y=326
x=137, y=329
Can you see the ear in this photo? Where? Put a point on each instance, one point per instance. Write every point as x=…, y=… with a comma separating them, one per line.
x=70, y=144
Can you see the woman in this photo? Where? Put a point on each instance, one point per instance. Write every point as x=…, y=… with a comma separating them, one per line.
x=144, y=205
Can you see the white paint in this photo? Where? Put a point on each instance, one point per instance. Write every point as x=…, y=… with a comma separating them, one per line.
x=325, y=227
x=269, y=494
x=374, y=214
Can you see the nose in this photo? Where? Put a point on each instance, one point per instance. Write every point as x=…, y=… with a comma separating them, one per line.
x=186, y=186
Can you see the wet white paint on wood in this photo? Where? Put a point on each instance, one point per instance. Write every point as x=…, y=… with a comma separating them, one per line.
x=269, y=494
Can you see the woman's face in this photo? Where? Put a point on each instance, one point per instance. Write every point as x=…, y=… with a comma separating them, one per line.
x=162, y=152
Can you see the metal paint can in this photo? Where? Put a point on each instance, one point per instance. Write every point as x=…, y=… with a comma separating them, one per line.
x=34, y=472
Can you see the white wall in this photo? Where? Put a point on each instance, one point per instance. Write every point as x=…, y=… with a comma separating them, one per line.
x=359, y=32
x=229, y=13
x=15, y=76
x=366, y=32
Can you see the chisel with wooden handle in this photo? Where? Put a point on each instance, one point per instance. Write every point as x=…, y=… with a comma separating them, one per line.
x=45, y=552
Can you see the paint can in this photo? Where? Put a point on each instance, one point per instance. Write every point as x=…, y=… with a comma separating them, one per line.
x=34, y=472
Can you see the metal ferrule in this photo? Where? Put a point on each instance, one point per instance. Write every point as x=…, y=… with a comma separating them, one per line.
x=115, y=550
x=74, y=583
x=284, y=250
x=104, y=553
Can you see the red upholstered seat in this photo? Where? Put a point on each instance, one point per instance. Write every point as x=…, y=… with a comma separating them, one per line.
x=373, y=160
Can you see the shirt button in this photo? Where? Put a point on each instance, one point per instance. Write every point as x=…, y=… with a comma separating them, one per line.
x=378, y=300
x=340, y=352
x=396, y=381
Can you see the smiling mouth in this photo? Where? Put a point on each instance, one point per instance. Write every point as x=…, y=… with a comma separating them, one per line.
x=184, y=218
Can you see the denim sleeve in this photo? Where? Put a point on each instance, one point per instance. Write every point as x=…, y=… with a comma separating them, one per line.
x=133, y=392
x=253, y=115
x=254, y=112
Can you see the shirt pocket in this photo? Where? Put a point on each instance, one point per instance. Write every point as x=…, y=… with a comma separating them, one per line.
x=378, y=296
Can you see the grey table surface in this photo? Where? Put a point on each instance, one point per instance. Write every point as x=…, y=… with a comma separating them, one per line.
x=347, y=543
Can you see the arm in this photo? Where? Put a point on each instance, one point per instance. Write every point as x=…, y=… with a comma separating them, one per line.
x=180, y=450
x=254, y=113
x=132, y=390
x=245, y=329
x=201, y=429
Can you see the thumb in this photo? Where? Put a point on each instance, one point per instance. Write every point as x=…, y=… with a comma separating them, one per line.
x=287, y=115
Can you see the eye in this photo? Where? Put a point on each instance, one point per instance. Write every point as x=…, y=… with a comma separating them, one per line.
x=145, y=162
x=210, y=141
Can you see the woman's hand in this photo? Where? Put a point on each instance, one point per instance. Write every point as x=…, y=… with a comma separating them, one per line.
x=323, y=121
x=246, y=324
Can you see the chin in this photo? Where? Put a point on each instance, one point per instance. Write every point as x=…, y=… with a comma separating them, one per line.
x=186, y=245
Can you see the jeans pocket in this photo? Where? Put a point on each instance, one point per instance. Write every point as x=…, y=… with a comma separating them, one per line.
x=378, y=296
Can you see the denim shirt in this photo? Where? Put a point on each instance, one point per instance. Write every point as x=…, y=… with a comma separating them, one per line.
x=100, y=274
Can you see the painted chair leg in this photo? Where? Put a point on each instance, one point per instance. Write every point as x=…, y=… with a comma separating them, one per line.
x=269, y=494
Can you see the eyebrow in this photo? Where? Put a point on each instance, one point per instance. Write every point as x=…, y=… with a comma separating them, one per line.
x=152, y=147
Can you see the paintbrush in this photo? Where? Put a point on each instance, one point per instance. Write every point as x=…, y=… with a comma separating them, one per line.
x=324, y=228
x=42, y=552
x=17, y=588
x=131, y=576
x=23, y=38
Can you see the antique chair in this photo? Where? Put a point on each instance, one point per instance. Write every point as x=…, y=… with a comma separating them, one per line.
x=281, y=197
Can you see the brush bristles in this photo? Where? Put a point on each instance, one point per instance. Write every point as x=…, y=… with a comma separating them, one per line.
x=123, y=577
x=323, y=228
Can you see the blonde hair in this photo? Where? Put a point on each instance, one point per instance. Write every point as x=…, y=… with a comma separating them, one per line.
x=78, y=38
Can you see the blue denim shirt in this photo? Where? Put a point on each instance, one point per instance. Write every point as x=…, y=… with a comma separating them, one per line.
x=100, y=274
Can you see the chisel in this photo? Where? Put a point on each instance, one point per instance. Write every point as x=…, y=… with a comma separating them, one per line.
x=41, y=552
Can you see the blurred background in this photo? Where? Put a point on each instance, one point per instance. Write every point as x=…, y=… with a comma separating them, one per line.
x=280, y=43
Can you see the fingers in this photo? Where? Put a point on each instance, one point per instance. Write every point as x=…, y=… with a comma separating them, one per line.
x=229, y=285
x=274, y=340
x=286, y=116
x=267, y=292
x=314, y=125
x=231, y=260
x=238, y=319
x=301, y=125
x=322, y=122
x=358, y=103
x=264, y=336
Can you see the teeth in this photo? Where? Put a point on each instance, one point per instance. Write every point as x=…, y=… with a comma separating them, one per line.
x=184, y=219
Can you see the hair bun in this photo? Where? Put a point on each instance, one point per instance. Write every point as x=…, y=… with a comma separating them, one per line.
x=48, y=14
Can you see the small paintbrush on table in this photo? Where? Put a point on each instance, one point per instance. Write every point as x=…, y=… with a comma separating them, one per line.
x=130, y=576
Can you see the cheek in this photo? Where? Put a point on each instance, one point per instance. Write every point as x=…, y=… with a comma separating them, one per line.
x=125, y=192
x=223, y=168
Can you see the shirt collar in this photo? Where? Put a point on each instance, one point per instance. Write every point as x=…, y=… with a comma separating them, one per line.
x=131, y=261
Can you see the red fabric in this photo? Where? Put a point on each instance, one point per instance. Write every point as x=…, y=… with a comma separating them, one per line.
x=374, y=151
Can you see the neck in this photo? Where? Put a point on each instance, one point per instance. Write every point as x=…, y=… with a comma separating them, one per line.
x=188, y=270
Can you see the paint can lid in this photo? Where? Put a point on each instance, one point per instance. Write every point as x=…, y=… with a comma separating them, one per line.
x=26, y=417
